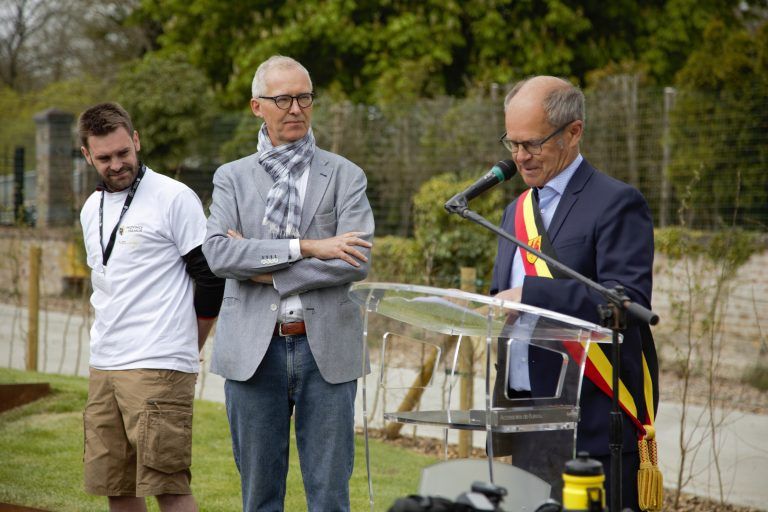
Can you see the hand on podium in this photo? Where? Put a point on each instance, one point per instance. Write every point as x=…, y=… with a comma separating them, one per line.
x=513, y=295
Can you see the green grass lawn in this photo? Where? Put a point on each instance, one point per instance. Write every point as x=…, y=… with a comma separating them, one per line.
x=41, y=447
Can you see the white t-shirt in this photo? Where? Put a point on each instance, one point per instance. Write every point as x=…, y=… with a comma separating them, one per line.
x=143, y=298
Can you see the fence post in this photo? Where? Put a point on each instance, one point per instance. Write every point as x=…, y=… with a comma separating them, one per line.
x=18, y=186
x=35, y=256
x=629, y=100
x=666, y=156
x=466, y=367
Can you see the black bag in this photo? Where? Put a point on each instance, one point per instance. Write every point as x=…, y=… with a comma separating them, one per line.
x=416, y=503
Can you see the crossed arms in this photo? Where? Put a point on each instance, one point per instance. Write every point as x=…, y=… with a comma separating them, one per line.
x=331, y=254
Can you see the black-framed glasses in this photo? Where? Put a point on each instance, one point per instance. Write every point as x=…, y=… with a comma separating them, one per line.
x=532, y=147
x=285, y=101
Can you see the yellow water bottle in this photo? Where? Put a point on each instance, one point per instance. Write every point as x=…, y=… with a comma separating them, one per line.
x=583, y=485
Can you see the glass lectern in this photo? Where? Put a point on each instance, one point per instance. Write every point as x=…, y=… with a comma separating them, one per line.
x=527, y=362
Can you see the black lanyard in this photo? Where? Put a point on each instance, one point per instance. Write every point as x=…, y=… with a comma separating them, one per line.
x=105, y=253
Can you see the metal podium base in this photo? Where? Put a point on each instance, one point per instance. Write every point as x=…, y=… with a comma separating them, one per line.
x=525, y=492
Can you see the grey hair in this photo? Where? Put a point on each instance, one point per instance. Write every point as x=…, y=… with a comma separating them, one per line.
x=259, y=85
x=561, y=105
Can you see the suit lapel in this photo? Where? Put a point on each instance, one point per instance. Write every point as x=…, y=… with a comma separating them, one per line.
x=262, y=180
x=319, y=177
x=570, y=196
x=507, y=250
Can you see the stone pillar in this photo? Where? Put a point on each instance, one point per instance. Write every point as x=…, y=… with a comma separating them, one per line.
x=86, y=180
x=55, y=199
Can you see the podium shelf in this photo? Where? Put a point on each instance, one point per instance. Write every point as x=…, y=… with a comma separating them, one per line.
x=518, y=419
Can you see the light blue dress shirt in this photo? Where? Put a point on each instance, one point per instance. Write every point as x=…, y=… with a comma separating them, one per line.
x=549, y=198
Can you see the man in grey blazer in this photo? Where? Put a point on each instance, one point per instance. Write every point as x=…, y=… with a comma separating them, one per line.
x=290, y=230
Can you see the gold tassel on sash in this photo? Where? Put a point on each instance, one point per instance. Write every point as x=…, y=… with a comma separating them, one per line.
x=650, y=485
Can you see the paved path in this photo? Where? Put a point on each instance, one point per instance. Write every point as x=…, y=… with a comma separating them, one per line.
x=742, y=439
x=742, y=442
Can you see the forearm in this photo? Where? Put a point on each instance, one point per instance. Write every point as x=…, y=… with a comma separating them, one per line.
x=566, y=296
x=312, y=274
x=237, y=258
x=209, y=292
x=244, y=258
x=209, y=289
x=342, y=261
x=263, y=279
x=204, y=326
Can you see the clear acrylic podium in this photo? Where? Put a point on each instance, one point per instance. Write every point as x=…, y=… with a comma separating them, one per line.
x=528, y=364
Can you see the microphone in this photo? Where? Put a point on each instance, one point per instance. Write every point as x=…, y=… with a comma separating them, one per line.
x=502, y=171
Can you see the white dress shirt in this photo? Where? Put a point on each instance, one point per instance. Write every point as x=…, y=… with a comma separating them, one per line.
x=291, y=309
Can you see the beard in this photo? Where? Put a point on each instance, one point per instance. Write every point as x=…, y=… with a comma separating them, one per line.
x=121, y=179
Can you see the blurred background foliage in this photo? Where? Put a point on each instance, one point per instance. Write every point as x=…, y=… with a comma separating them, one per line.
x=441, y=244
x=370, y=51
x=412, y=92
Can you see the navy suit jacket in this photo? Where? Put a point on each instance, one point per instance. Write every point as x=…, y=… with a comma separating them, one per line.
x=602, y=229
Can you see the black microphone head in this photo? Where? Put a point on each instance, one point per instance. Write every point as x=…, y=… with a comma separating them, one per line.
x=499, y=173
x=507, y=168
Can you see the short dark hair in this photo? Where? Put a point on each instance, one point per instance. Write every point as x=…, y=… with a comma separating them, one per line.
x=102, y=119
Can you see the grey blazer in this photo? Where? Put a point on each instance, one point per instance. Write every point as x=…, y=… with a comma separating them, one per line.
x=334, y=203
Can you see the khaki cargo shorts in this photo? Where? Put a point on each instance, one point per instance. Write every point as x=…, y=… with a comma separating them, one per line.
x=138, y=432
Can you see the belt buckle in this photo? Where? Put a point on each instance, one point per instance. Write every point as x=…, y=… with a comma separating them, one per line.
x=280, y=329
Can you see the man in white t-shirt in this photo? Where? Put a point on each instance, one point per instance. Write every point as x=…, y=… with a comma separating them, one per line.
x=155, y=301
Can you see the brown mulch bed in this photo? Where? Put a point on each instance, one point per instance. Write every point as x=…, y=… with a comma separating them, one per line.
x=691, y=503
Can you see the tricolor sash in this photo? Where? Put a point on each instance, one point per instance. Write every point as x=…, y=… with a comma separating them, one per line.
x=529, y=227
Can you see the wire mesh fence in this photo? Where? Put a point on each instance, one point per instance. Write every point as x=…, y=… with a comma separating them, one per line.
x=699, y=159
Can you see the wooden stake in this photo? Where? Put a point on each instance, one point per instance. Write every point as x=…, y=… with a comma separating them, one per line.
x=35, y=257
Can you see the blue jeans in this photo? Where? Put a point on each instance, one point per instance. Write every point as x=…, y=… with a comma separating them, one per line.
x=259, y=412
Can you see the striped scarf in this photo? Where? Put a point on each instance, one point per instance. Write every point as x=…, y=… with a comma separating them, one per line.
x=285, y=164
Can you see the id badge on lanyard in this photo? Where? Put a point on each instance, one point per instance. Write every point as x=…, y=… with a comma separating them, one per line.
x=99, y=279
x=106, y=252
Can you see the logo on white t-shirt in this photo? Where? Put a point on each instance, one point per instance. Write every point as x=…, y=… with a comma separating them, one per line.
x=130, y=229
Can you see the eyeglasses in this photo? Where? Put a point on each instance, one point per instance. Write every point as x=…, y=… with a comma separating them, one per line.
x=285, y=101
x=532, y=147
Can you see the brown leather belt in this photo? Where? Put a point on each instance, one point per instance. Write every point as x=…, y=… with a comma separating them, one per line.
x=290, y=329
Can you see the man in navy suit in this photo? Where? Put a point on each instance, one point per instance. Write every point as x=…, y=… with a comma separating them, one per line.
x=601, y=228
